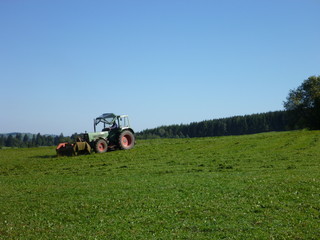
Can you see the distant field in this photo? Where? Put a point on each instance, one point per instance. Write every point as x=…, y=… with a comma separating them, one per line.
x=263, y=186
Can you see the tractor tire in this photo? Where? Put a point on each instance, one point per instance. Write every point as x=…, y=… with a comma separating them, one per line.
x=126, y=140
x=101, y=146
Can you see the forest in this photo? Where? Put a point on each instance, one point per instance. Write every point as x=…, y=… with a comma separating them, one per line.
x=237, y=125
x=20, y=140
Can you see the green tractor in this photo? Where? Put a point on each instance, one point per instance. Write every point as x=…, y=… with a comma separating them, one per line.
x=116, y=133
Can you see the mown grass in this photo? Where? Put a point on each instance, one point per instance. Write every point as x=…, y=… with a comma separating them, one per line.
x=263, y=186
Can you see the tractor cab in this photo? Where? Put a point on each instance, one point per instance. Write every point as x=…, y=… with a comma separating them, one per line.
x=110, y=121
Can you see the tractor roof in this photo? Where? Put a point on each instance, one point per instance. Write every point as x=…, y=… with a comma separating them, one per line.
x=107, y=115
x=110, y=115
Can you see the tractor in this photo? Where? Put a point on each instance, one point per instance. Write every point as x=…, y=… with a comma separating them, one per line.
x=116, y=133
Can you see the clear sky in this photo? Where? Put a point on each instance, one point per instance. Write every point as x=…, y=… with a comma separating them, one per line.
x=64, y=62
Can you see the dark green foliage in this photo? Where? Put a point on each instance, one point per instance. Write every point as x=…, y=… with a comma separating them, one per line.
x=25, y=140
x=238, y=125
x=10, y=141
x=2, y=141
x=18, y=140
x=303, y=104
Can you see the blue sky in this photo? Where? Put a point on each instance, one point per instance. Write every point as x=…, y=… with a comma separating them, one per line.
x=62, y=63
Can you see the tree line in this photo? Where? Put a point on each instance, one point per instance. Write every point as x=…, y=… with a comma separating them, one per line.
x=237, y=125
x=20, y=140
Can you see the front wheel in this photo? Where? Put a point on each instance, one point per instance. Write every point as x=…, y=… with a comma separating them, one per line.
x=126, y=140
x=101, y=146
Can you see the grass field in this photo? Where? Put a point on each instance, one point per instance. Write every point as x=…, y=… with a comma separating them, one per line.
x=263, y=186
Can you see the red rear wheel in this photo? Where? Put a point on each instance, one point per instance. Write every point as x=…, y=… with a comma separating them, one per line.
x=126, y=140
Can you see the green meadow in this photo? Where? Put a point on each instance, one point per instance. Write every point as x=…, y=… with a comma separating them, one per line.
x=262, y=186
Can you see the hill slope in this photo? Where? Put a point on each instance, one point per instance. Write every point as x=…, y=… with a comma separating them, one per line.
x=261, y=186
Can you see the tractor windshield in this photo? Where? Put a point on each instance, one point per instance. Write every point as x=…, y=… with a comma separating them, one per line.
x=106, y=120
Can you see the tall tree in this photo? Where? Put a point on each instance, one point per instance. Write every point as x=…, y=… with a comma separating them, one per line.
x=25, y=140
x=39, y=140
x=304, y=104
x=10, y=141
x=2, y=141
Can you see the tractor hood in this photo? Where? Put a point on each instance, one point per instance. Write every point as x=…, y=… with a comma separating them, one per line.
x=92, y=136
